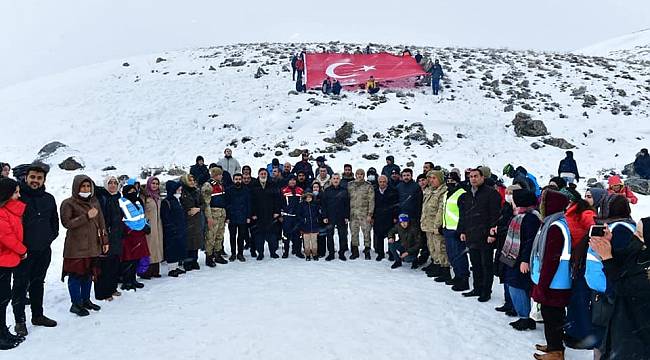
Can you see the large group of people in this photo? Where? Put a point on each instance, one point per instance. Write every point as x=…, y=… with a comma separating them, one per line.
x=540, y=241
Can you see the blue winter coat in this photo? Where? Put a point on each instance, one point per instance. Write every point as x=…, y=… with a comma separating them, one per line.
x=309, y=215
x=568, y=165
x=410, y=199
x=174, y=224
x=238, y=209
x=436, y=72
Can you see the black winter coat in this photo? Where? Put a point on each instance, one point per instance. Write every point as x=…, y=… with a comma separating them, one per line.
x=568, y=165
x=388, y=169
x=200, y=173
x=40, y=219
x=478, y=213
x=190, y=198
x=386, y=207
x=335, y=204
x=410, y=199
x=174, y=223
x=113, y=218
x=265, y=202
x=238, y=205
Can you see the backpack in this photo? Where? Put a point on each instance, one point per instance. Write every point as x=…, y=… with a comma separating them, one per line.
x=533, y=184
x=594, y=274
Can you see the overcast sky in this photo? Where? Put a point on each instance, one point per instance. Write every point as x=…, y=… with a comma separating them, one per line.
x=41, y=37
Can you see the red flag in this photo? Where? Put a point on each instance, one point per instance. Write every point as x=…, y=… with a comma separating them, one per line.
x=356, y=69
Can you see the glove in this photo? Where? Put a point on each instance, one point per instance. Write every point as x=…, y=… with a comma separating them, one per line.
x=147, y=229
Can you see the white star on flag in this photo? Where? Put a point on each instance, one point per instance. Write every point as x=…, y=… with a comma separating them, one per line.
x=368, y=68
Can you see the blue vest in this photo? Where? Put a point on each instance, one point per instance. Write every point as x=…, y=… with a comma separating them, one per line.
x=562, y=278
x=133, y=215
x=594, y=273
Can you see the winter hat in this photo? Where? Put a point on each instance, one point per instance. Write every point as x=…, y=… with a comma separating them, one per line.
x=438, y=174
x=372, y=171
x=454, y=176
x=597, y=194
x=509, y=170
x=619, y=207
x=394, y=172
x=199, y=158
x=130, y=182
x=487, y=172
x=615, y=180
x=553, y=202
x=644, y=151
x=524, y=198
x=216, y=171
x=7, y=189
x=403, y=217
x=558, y=181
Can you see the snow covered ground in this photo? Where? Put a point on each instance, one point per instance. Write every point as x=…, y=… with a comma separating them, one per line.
x=633, y=47
x=163, y=114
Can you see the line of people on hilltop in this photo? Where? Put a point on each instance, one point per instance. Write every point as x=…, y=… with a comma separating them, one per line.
x=541, y=242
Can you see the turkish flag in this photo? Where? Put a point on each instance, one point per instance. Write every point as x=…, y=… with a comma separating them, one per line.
x=355, y=69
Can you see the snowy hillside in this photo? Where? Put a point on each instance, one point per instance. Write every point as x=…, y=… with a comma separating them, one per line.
x=634, y=47
x=161, y=110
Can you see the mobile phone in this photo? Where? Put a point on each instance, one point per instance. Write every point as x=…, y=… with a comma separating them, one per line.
x=597, y=230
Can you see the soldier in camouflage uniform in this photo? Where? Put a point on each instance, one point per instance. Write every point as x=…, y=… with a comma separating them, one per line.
x=362, y=206
x=214, y=199
x=433, y=210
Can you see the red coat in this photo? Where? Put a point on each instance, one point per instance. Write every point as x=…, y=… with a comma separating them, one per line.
x=579, y=224
x=11, y=233
x=541, y=292
x=134, y=246
x=625, y=191
x=300, y=65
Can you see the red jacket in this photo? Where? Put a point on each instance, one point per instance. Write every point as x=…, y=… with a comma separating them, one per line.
x=625, y=191
x=11, y=233
x=579, y=224
x=300, y=65
x=542, y=293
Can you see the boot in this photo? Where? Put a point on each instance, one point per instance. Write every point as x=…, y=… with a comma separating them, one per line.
x=173, y=273
x=380, y=257
x=475, y=292
x=366, y=253
x=315, y=257
x=241, y=258
x=511, y=313
x=232, y=258
x=542, y=348
x=342, y=256
x=355, y=253
x=285, y=254
x=274, y=255
x=445, y=275
x=415, y=264
x=42, y=320
x=308, y=258
x=461, y=285
x=187, y=266
x=195, y=265
x=260, y=257
x=503, y=308
x=524, y=324
x=138, y=285
x=428, y=267
x=219, y=260
x=253, y=253
x=7, y=339
x=434, y=272
x=396, y=264
x=485, y=297
x=553, y=355
x=330, y=257
x=17, y=338
x=90, y=306
x=125, y=287
x=451, y=281
x=299, y=254
x=390, y=256
x=21, y=329
x=79, y=310
x=210, y=261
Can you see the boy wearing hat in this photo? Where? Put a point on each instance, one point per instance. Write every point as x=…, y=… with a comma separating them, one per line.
x=408, y=244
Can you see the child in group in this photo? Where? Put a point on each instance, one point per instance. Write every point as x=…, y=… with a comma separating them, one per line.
x=310, y=218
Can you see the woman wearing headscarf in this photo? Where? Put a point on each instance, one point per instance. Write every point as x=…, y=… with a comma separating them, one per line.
x=172, y=217
x=85, y=240
x=12, y=251
x=136, y=228
x=109, y=264
x=550, y=272
x=191, y=202
x=154, y=239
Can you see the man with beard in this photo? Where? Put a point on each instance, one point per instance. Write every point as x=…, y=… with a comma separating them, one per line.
x=302, y=181
x=265, y=211
x=238, y=209
x=41, y=227
x=384, y=214
x=347, y=176
x=335, y=205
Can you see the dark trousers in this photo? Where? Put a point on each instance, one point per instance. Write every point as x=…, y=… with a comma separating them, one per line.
x=321, y=242
x=457, y=254
x=128, y=271
x=269, y=236
x=292, y=234
x=293, y=73
x=553, y=326
x=238, y=234
x=482, y=269
x=29, y=275
x=379, y=234
x=109, y=273
x=342, y=229
x=5, y=294
x=435, y=85
x=192, y=256
x=79, y=288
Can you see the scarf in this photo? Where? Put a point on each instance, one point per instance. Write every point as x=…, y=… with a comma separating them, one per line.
x=512, y=245
x=539, y=245
x=152, y=194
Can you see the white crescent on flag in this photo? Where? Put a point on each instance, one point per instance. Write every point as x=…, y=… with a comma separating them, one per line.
x=330, y=71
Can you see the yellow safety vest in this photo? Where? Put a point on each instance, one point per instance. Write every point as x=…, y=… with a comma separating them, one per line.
x=452, y=213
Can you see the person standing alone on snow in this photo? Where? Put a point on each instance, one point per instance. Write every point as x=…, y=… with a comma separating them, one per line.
x=568, y=169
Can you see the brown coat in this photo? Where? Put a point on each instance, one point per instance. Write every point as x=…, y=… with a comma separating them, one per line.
x=154, y=239
x=85, y=236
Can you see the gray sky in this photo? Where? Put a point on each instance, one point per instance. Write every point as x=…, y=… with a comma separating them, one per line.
x=44, y=37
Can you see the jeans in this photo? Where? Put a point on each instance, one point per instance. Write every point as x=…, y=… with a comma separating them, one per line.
x=506, y=296
x=435, y=85
x=29, y=276
x=457, y=254
x=482, y=269
x=520, y=301
x=397, y=249
x=79, y=288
